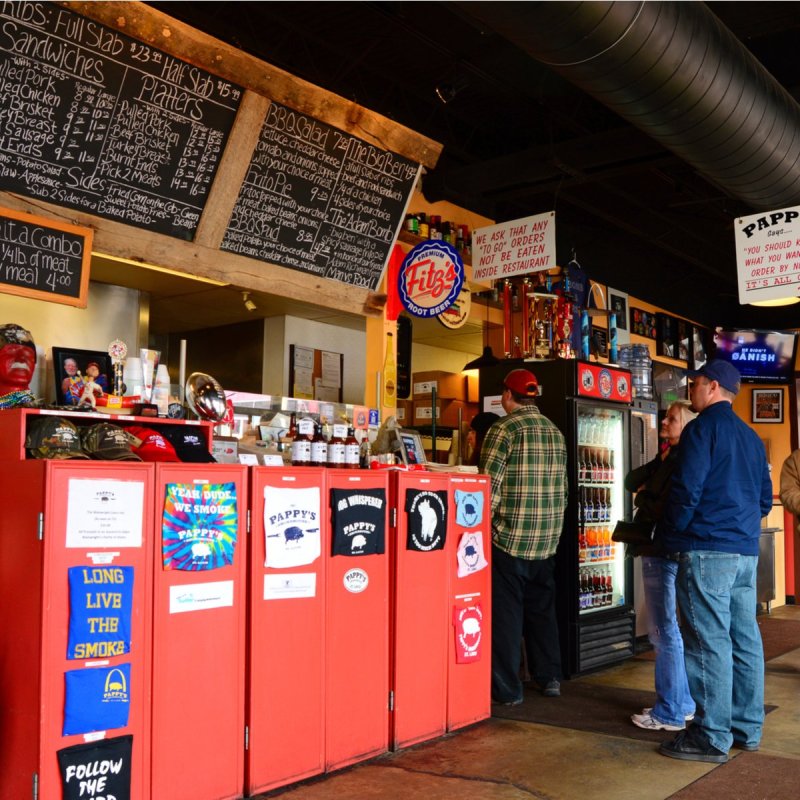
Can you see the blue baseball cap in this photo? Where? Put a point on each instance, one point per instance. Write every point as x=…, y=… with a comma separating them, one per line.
x=723, y=372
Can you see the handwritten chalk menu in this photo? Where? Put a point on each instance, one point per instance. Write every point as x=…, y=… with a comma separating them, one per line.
x=44, y=259
x=94, y=120
x=319, y=200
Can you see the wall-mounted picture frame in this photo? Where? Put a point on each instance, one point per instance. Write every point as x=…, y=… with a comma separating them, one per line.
x=643, y=323
x=599, y=342
x=666, y=336
x=699, y=351
x=618, y=303
x=74, y=368
x=767, y=405
x=683, y=339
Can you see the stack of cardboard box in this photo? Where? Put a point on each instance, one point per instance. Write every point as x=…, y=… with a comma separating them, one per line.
x=454, y=391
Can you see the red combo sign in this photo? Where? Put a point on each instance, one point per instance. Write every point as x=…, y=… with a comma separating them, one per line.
x=430, y=278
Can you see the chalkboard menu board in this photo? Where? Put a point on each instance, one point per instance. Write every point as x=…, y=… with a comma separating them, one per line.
x=43, y=259
x=94, y=120
x=319, y=200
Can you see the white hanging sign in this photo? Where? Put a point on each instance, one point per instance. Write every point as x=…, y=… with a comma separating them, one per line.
x=519, y=247
x=768, y=255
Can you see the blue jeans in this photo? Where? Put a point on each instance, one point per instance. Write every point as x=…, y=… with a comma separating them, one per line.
x=673, y=700
x=724, y=654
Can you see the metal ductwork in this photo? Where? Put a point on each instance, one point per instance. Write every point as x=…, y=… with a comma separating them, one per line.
x=675, y=72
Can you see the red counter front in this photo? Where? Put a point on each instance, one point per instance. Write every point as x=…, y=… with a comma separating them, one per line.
x=85, y=523
x=285, y=705
x=199, y=612
x=469, y=660
x=419, y=623
x=357, y=624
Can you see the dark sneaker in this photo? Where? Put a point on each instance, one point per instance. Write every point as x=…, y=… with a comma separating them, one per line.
x=507, y=702
x=552, y=689
x=691, y=746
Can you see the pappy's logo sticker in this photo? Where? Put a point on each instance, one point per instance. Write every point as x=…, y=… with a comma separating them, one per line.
x=355, y=580
x=468, y=624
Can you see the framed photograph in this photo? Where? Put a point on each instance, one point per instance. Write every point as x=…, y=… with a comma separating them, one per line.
x=767, y=405
x=667, y=335
x=599, y=342
x=618, y=303
x=699, y=352
x=683, y=339
x=75, y=368
x=643, y=323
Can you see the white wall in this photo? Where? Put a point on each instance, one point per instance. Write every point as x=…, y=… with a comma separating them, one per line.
x=112, y=313
x=281, y=332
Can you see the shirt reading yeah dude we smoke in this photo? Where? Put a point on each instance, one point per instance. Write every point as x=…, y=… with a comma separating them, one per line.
x=358, y=520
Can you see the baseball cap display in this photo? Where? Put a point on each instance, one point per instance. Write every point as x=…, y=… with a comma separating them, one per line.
x=190, y=444
x=53, y=437
x=107, y=442
x=724, y=373
x=522, y=381
x=150, y=445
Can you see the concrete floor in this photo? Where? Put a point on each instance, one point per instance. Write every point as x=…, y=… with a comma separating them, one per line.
x=506, y=760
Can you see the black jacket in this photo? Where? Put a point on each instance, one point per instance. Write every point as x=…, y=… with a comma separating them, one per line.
x=655, y=478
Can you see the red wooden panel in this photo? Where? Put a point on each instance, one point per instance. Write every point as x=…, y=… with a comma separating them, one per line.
x=64, y=482
x=199, y=655
x=469, y=685
x=420, y=613
x=357, y=642
x=285, y=676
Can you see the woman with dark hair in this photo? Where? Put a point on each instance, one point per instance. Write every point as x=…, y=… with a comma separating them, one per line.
x=478, y=427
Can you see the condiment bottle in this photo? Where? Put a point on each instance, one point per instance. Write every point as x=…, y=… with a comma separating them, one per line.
x=319, y=448
x=351, y=450
x=336, y=454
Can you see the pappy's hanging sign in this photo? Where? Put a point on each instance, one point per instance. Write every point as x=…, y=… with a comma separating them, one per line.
x=430, y=278
x=768, y=255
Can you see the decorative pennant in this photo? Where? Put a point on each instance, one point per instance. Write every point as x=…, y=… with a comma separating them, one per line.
x=200, y=525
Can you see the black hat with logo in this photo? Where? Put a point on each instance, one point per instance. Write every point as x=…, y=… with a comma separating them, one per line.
x=189, y=442
x=53, y=437
x=107, y=442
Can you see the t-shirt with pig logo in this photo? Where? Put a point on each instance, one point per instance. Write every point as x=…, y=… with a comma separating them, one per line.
x=426, y=519
x=358, y=520
x=291, y=526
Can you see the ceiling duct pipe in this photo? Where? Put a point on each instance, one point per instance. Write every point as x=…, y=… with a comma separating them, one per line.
x=677, y=73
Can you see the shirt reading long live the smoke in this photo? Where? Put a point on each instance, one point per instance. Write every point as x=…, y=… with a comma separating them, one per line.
x=358, y=518
x=291, y=526
x=525, y=456
x=426, y=520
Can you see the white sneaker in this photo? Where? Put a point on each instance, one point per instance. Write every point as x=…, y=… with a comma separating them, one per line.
x=650, y=723
x=688, y=717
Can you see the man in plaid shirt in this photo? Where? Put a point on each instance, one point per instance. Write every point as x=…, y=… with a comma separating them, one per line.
x=525, y=456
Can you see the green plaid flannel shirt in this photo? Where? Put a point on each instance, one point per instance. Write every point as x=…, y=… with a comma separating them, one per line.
x=525, y=456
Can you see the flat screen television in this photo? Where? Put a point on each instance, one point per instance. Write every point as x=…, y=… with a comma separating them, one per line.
x=760, y=356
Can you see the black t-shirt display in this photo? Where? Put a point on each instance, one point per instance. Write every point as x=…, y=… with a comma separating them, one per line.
x=358, y=521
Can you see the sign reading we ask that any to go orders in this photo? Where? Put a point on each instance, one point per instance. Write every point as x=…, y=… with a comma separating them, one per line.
x=768, y=255
x=514, y=248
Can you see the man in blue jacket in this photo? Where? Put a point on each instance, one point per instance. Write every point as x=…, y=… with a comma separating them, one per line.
x=721, y=489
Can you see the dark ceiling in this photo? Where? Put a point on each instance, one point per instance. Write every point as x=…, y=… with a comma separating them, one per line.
x=520, y=140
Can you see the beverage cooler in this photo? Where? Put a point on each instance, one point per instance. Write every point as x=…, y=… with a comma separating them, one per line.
x=590, y=404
